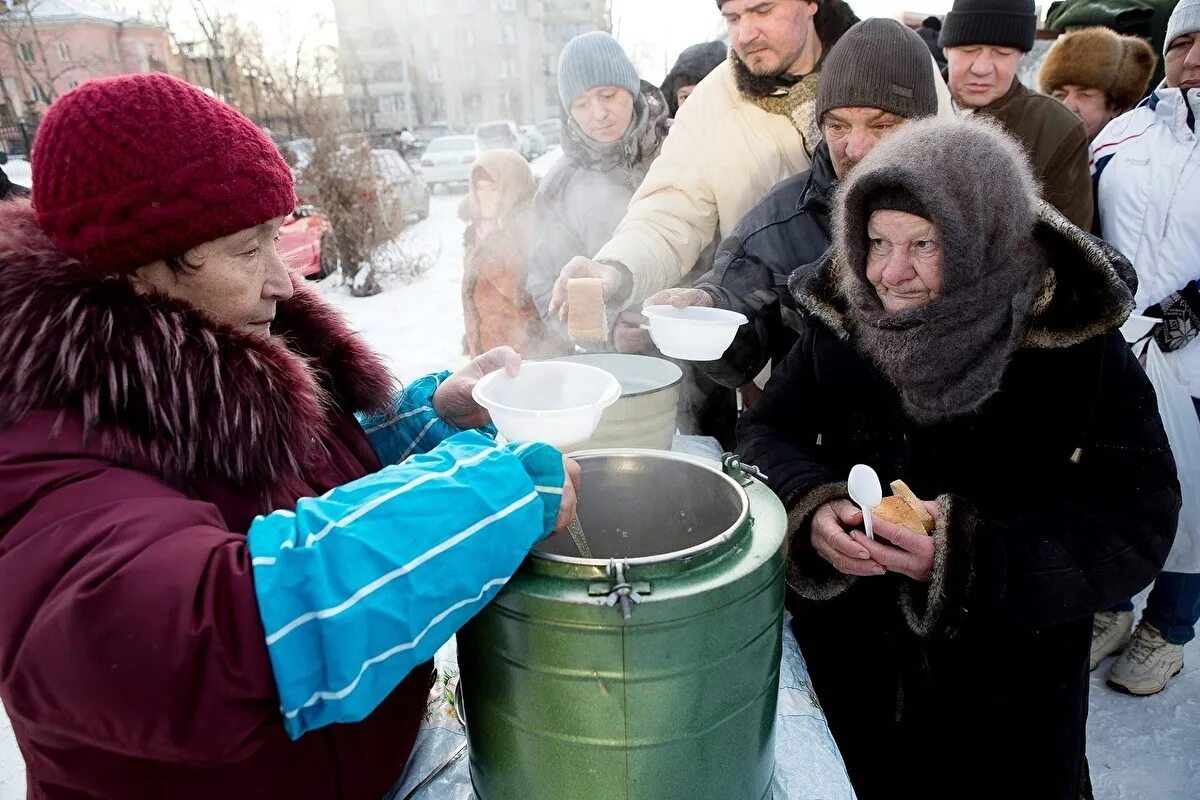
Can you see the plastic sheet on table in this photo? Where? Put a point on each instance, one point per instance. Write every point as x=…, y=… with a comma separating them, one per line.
x=808, y=765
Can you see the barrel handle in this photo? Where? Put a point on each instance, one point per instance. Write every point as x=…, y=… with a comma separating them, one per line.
x=743, y=472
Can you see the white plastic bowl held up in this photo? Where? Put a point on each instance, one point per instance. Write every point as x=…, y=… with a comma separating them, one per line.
x=695, y=333
x=553, y=401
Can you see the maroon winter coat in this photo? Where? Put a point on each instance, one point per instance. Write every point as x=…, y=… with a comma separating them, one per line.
x=138, y=440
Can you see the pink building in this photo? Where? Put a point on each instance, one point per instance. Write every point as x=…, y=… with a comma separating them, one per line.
x=48, y=47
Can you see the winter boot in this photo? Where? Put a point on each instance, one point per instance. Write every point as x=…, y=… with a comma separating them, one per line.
x=1148, y=663
x=1111, y=631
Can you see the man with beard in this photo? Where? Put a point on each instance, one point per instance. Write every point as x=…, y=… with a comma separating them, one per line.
x=877, y=80
x=750, y=124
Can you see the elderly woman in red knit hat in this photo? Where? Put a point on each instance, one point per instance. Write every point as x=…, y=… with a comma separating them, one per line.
x=228, y=545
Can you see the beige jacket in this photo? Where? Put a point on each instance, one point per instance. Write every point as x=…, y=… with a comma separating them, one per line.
x=723, y=155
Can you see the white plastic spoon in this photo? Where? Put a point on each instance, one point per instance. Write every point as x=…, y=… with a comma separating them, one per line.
x=866, y=492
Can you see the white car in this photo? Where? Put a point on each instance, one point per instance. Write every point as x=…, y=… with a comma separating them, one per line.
x=449, y=159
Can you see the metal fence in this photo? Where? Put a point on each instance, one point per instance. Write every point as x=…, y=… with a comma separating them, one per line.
x=17, y=140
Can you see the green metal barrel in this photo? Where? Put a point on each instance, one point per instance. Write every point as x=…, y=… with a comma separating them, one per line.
x=649, y=671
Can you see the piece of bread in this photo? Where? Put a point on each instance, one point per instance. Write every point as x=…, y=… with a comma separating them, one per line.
x=900, y=489
x=585, y=310
x=899, y=512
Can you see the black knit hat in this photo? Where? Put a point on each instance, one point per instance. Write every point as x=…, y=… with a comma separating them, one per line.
x=878, y=63
x=1000, y=23
x=894, y=198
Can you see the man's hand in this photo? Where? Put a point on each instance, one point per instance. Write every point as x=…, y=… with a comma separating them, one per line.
x=580, y=267
x=628, y=336
x=910, y=553
x=830, y=537
x=566, y=511
x=453, y=401
x=681, y=297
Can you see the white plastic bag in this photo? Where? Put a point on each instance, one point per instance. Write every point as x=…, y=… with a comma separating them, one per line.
x=1183, y=432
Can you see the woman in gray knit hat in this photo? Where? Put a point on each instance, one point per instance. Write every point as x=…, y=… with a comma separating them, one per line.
x=614, y=128
x=962, y=337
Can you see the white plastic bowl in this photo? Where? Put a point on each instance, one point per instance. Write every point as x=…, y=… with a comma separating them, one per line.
x=1138, y=327
x=695, y=333
x=552, y=401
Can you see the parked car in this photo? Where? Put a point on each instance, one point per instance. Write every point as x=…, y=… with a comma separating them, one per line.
x=448, y=160
x=551, y=130
x=501, y=135
x=403, y=192
x=306, y=244
x=534, y=140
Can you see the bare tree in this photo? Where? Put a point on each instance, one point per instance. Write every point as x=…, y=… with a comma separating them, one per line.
x=21, y=31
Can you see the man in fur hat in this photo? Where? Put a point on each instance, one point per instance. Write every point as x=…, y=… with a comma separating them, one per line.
x=750, y=124
x=1097, y=73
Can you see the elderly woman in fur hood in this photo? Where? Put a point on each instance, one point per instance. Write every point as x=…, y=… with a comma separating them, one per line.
x=229, y=545
x=497, y=308
x=962, y=336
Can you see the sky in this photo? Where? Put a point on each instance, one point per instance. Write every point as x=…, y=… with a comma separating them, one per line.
x=653, y=31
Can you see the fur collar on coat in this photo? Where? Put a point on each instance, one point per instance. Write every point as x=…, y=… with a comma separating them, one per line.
x=156, y=383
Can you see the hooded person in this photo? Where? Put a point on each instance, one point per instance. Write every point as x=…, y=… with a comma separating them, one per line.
x=876, y=79
x=497, y=308
x=1145, y=165
x=692, y=66
x=749, y=125
x=1098, y=74
x=229, y=545
x=966, y=342
x=984, y=41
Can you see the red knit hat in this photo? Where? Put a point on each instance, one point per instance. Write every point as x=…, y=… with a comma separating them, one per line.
x=133, y=169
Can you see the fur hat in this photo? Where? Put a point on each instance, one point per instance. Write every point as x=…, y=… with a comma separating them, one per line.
x=133, y=169
x=1098, y=58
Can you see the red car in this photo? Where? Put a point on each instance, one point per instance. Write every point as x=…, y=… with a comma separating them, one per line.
x=305, y=246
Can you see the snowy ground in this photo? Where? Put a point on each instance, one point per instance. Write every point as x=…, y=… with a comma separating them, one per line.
x=1139, y=748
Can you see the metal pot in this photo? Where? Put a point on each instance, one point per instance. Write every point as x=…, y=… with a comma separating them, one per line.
x=650, y=671
x=645, y=414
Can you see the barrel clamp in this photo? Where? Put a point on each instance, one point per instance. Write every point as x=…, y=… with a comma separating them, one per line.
x=618, y=589
x=743, y=472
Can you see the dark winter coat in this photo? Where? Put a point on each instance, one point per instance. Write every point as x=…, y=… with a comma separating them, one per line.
x=10, y=190
x=930, y=37
x=140, y=440
x=1058, y=496
x=1057, y=143
x=788, y=229
x=692, y=66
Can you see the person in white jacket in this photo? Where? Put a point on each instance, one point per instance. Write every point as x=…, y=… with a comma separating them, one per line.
x=747, y=126
x=1146, y=165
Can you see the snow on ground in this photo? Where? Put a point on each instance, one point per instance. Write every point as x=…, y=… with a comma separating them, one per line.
x=1139, y=748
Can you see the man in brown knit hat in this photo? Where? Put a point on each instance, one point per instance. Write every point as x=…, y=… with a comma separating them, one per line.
x=1097, y=73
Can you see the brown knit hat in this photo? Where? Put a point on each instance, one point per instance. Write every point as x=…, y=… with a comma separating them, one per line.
x=1098, y=58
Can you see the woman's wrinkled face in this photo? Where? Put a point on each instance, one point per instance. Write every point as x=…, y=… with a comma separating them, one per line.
x=904, y=259
x=604, y=113
x=237, y=280
x=487, y=196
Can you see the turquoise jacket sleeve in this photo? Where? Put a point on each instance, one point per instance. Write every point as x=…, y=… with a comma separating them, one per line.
x=357, y=587
x=411, y=425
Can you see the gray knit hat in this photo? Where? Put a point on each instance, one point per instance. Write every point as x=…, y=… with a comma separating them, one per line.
x=1184, y=19
x=1000, y=23
x=594, y=59
x=878, y=63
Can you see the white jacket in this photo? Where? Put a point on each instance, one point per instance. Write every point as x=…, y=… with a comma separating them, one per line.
x=1146, y=165
x=723, y=155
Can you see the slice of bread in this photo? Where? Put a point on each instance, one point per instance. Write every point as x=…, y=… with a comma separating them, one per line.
x=901, y=490
x=585, y=310
x=897, y=511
